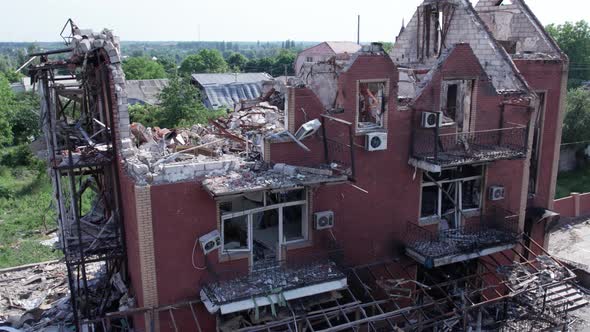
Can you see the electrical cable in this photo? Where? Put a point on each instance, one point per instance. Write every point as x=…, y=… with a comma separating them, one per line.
x=193, y=258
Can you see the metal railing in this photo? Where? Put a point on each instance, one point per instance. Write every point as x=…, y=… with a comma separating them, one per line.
x=496, y=227
x=238, y=282
x=458, y=148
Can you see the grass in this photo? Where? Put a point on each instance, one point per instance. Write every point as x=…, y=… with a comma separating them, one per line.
x=26, y=214
x=574, y=181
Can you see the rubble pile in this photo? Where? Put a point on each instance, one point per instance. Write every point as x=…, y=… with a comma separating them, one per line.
x=37, y=297
x=271, y=280
x=456, y=241
x=224, y=144
x=259, y=177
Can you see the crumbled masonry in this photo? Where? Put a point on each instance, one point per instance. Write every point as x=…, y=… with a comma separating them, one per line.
x=36, y=297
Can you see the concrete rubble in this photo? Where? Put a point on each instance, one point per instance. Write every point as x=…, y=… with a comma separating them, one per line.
x=36, y=297
x=227, y=152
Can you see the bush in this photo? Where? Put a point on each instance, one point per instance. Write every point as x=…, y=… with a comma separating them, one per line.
x=19, y=155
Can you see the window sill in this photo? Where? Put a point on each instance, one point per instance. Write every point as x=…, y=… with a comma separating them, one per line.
x=471, y=213
x=364, y=132
x=427, y=221
x=298, y=244
x=230, y=257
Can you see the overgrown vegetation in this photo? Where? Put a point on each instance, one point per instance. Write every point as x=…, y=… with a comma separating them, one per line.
x=576, y=124
x=574, y=40
x=575, y=181
x=179, y=106
x=26, y=214
x=25, y=191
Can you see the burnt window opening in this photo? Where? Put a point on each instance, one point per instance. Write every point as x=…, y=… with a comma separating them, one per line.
x=456, y=104
x=536, y=147
x=451, y=106
x=446, y=196
x=433, y=25
x=372, y=97
x=504, y=3
x=508, y=45
x=259, y=223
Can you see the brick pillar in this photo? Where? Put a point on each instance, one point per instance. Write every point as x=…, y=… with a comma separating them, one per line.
x=576, y=197
x=291, y=110
x=147, y=259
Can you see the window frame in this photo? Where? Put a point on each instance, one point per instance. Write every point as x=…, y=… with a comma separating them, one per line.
x=385, y=102
x=459, y=181
x=304, y=203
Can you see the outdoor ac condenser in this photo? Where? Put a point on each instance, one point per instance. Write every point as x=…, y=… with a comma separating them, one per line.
x=323, y=220
x=210, y=241
x=429, y=119
x=376, y=141
x=496, y=193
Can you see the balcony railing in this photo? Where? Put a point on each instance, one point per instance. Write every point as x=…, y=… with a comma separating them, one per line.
x=272, y=278
x=453, y=149
x=496, y=231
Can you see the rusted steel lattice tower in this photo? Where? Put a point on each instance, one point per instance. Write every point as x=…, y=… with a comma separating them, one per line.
x=78, y=125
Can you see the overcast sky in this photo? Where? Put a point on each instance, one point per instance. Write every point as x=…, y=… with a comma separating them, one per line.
x=233, y=20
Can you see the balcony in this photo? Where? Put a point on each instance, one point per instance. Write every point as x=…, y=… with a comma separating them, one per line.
x=433, y=149
x=271, y=283
x=494, y=232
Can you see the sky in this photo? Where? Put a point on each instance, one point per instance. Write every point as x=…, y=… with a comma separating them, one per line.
x=233, y=20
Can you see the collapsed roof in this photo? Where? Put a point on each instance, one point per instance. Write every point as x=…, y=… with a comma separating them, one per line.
x=516, y=27
x=437, y=26
x=227, y=89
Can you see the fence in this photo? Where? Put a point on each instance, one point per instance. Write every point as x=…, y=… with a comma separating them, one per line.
x=573, y=206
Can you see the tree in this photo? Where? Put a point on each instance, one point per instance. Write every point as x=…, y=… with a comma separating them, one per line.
x=6, y=101
x=206, y=61
x=168, y=64
x=147, y=115
x=24, y=117
x=237, y=62
x=7, y=68
x=574, y=40
x=142, y=68
x=283, y=63
x=180, y=105
x=576, y=125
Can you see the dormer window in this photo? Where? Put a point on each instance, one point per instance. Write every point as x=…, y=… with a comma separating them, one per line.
x=456, y=104
x=372, y=105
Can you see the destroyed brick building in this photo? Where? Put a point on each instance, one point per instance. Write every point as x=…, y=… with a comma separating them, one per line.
x=410, y=190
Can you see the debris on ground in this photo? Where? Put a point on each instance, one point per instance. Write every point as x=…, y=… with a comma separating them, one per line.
x=36, y=297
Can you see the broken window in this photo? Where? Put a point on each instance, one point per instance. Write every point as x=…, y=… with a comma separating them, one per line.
x=535, y=150
x=235, y=234
x=447, y=194
x=456, y=101
x=372, y=97
x=261, y=222
x=433, y=26
x=508, y=45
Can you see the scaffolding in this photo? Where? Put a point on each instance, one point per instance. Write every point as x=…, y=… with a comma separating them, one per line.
x=78, y=124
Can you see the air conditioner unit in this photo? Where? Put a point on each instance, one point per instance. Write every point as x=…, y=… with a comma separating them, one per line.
x=376, y=141
x=496, y=193
x=323, y=220
x=210, y=241
x=429, y=119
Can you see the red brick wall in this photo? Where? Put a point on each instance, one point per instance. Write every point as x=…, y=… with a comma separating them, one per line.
x=565, y=206
x=368, y=225
x=545, y=76
x=181, y=213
